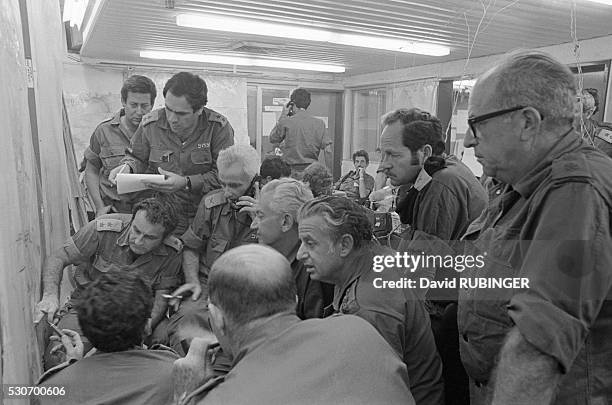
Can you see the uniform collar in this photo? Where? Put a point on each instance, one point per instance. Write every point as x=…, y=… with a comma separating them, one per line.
x=116, y=120
x=528, y=183
x=359, y=263
x=273, y=327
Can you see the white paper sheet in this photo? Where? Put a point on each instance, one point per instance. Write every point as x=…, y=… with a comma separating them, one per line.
x=128, y=182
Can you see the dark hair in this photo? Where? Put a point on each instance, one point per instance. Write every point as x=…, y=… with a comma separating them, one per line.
x=159, y=210
x=138, y=84
x=420, y=129
x=361, y=153
x=318, y=178
x=250, y=282
x=301, y=97
x=595, y=93
x=113, y=311
x=342, y=216
x=275, y=167
x=191, y=86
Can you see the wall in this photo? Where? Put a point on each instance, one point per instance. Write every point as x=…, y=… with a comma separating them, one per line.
x=92, y=94
x=34, y=185
x=591, y=50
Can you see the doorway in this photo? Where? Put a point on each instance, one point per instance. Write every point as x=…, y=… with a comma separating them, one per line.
x=265, y=104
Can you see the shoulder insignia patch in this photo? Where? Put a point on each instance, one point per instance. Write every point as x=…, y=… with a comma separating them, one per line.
x=605, y=135
x=214, y=199
x=570, y=166
x=216, y=117
x=109, y=224
x=174, y=242
x=150, y=117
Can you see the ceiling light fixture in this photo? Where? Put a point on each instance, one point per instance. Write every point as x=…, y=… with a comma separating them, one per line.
x=244, y=26
x=241, y=61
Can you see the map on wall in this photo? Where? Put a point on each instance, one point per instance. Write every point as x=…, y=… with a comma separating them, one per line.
x=93, y=95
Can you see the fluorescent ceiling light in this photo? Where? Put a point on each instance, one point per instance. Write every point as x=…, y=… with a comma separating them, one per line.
x=607, y=2
x=241, y=61
x=244, y=26
x=74, y=11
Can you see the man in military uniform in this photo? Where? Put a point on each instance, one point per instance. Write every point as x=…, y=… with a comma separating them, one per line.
x=600, y=133
x=141, y=243
x=280, y=359
x=547, y=341
x=182, y=142
x=109, y=141
x=277, y=227
x=304, y=137
x=122, y=371
x=337, y=248
x=223, y=221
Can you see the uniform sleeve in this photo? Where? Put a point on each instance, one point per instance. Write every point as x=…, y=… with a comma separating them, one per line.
x=83, y=244
x=199, y=231
x=171, y=275
x=278, y=133
x=568, y=264
x=92, y=153
x=220, y=140
x=138, y=160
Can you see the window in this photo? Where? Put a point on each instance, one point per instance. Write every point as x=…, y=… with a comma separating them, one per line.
x=368, y=107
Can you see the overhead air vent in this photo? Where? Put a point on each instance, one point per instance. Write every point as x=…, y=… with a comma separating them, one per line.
x=255, y=48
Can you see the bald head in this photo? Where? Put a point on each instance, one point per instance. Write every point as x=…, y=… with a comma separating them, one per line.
x=250, y=282
x=530, y=79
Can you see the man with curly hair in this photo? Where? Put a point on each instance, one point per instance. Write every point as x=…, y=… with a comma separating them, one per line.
x=140, y=243
x=113, y=312
x=318, y=179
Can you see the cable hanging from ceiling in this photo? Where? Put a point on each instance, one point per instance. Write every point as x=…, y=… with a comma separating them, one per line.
x=576, y=51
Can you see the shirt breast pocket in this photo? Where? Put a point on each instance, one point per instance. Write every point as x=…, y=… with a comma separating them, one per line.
x=201, y=157
x=217, y=247
x=103, y=265
x=111, y=155
x=161, y=158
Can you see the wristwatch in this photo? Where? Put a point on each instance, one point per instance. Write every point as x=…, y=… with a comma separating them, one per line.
x=188, y=184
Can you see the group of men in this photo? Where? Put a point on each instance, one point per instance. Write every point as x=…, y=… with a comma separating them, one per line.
x=550, y=223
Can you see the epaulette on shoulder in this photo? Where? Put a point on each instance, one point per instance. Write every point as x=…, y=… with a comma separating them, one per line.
x=54, y=370
x=109, y=224
x=605, y=134
x=153, y=116
x=216, y=117
x=214, y=198
x=159, y=346
x=174, y=242
x=571, y=165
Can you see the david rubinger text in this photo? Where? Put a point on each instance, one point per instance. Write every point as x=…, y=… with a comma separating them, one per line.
x=469, y=283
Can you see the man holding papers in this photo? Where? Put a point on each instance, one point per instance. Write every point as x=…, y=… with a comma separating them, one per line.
x=182, y=142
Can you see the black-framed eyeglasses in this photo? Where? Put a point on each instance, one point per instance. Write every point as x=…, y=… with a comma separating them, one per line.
x=480, y=118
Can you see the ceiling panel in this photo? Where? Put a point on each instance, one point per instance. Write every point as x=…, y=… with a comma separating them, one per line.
x=125, y=27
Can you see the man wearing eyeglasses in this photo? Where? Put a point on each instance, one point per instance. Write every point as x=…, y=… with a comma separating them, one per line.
x=549, y=342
